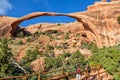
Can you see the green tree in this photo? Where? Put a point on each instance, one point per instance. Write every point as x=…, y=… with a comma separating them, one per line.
x=30, y=56
x=56, y=62
x=109, y=58
x=76, y=58
x=5, y=55
x=49, y=62
x=118, y=19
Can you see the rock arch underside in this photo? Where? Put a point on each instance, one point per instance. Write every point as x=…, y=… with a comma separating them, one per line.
x=98, y=23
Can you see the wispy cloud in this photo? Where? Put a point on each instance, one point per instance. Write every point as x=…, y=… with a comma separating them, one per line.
x=4, y=6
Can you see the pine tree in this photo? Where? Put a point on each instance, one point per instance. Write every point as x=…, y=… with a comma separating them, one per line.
x=5, y=56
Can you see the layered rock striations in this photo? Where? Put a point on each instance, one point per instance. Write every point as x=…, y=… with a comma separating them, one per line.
x=98, y=24
x=5, y=26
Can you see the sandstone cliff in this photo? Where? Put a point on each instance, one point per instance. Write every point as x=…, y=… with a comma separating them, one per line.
x=98, y=24
x=5, y=26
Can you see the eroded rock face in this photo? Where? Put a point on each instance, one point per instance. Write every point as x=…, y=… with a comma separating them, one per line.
x=5, y=26
x=98, y=24
x=105, y=19
x=82, y=20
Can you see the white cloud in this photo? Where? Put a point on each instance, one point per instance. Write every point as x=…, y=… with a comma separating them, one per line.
x=4, y=6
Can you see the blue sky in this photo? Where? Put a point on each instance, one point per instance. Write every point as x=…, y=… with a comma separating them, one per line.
x=18, y=8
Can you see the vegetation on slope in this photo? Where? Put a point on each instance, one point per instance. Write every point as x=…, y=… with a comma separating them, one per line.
x=118, y=19
x=8, y=66
x=109, y=58
x=65, y=60
x=5, y=55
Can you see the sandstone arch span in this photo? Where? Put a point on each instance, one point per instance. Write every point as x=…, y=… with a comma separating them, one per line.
x=39, y=14
x=88, y=26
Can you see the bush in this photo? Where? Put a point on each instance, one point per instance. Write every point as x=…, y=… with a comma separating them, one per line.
x=30, y=39
x=5, y=55
x=55, y=62
x=91, y=46
x=76, y=58
x=116, y=76
x=109, y=58
x=20, y=34
x=58, y=24
x=49, y=47
x=30, y=56
x=118, y=19
x=65, y=59
x=66, y=36
x=20, y=42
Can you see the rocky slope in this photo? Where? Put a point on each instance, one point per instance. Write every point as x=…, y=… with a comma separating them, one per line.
x=98, y=24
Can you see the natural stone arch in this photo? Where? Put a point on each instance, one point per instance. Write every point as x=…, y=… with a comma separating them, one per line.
x=38, y=14
x=88, y=26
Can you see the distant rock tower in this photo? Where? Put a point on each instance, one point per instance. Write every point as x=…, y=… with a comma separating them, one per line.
x=115, y=0
x=104, y=0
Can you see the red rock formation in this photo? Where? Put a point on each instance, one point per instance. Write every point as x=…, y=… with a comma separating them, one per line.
x=88, y=26
x=115, y=0
x=104, y=0
x=5, y=26
x=98, y=23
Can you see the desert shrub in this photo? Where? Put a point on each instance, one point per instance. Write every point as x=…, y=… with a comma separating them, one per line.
x=55, y=62
x=33, y=78
x=58, y=47
x=30, y=39
x=49, y=35
x=20, y=34
x=76, y=58
x=91, y=46
x=49, y=47
x=10, y=42
x=5, y=55
x=118, y=19
x=58, y=24
x=30, y=56
x=66, y=36
x=20, y=42
x=49, y=62
x=65, y=59
x=36, y=34
x=116, y=76
x=109, y=58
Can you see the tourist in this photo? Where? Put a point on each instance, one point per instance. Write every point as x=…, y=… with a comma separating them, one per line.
x=78, y=72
